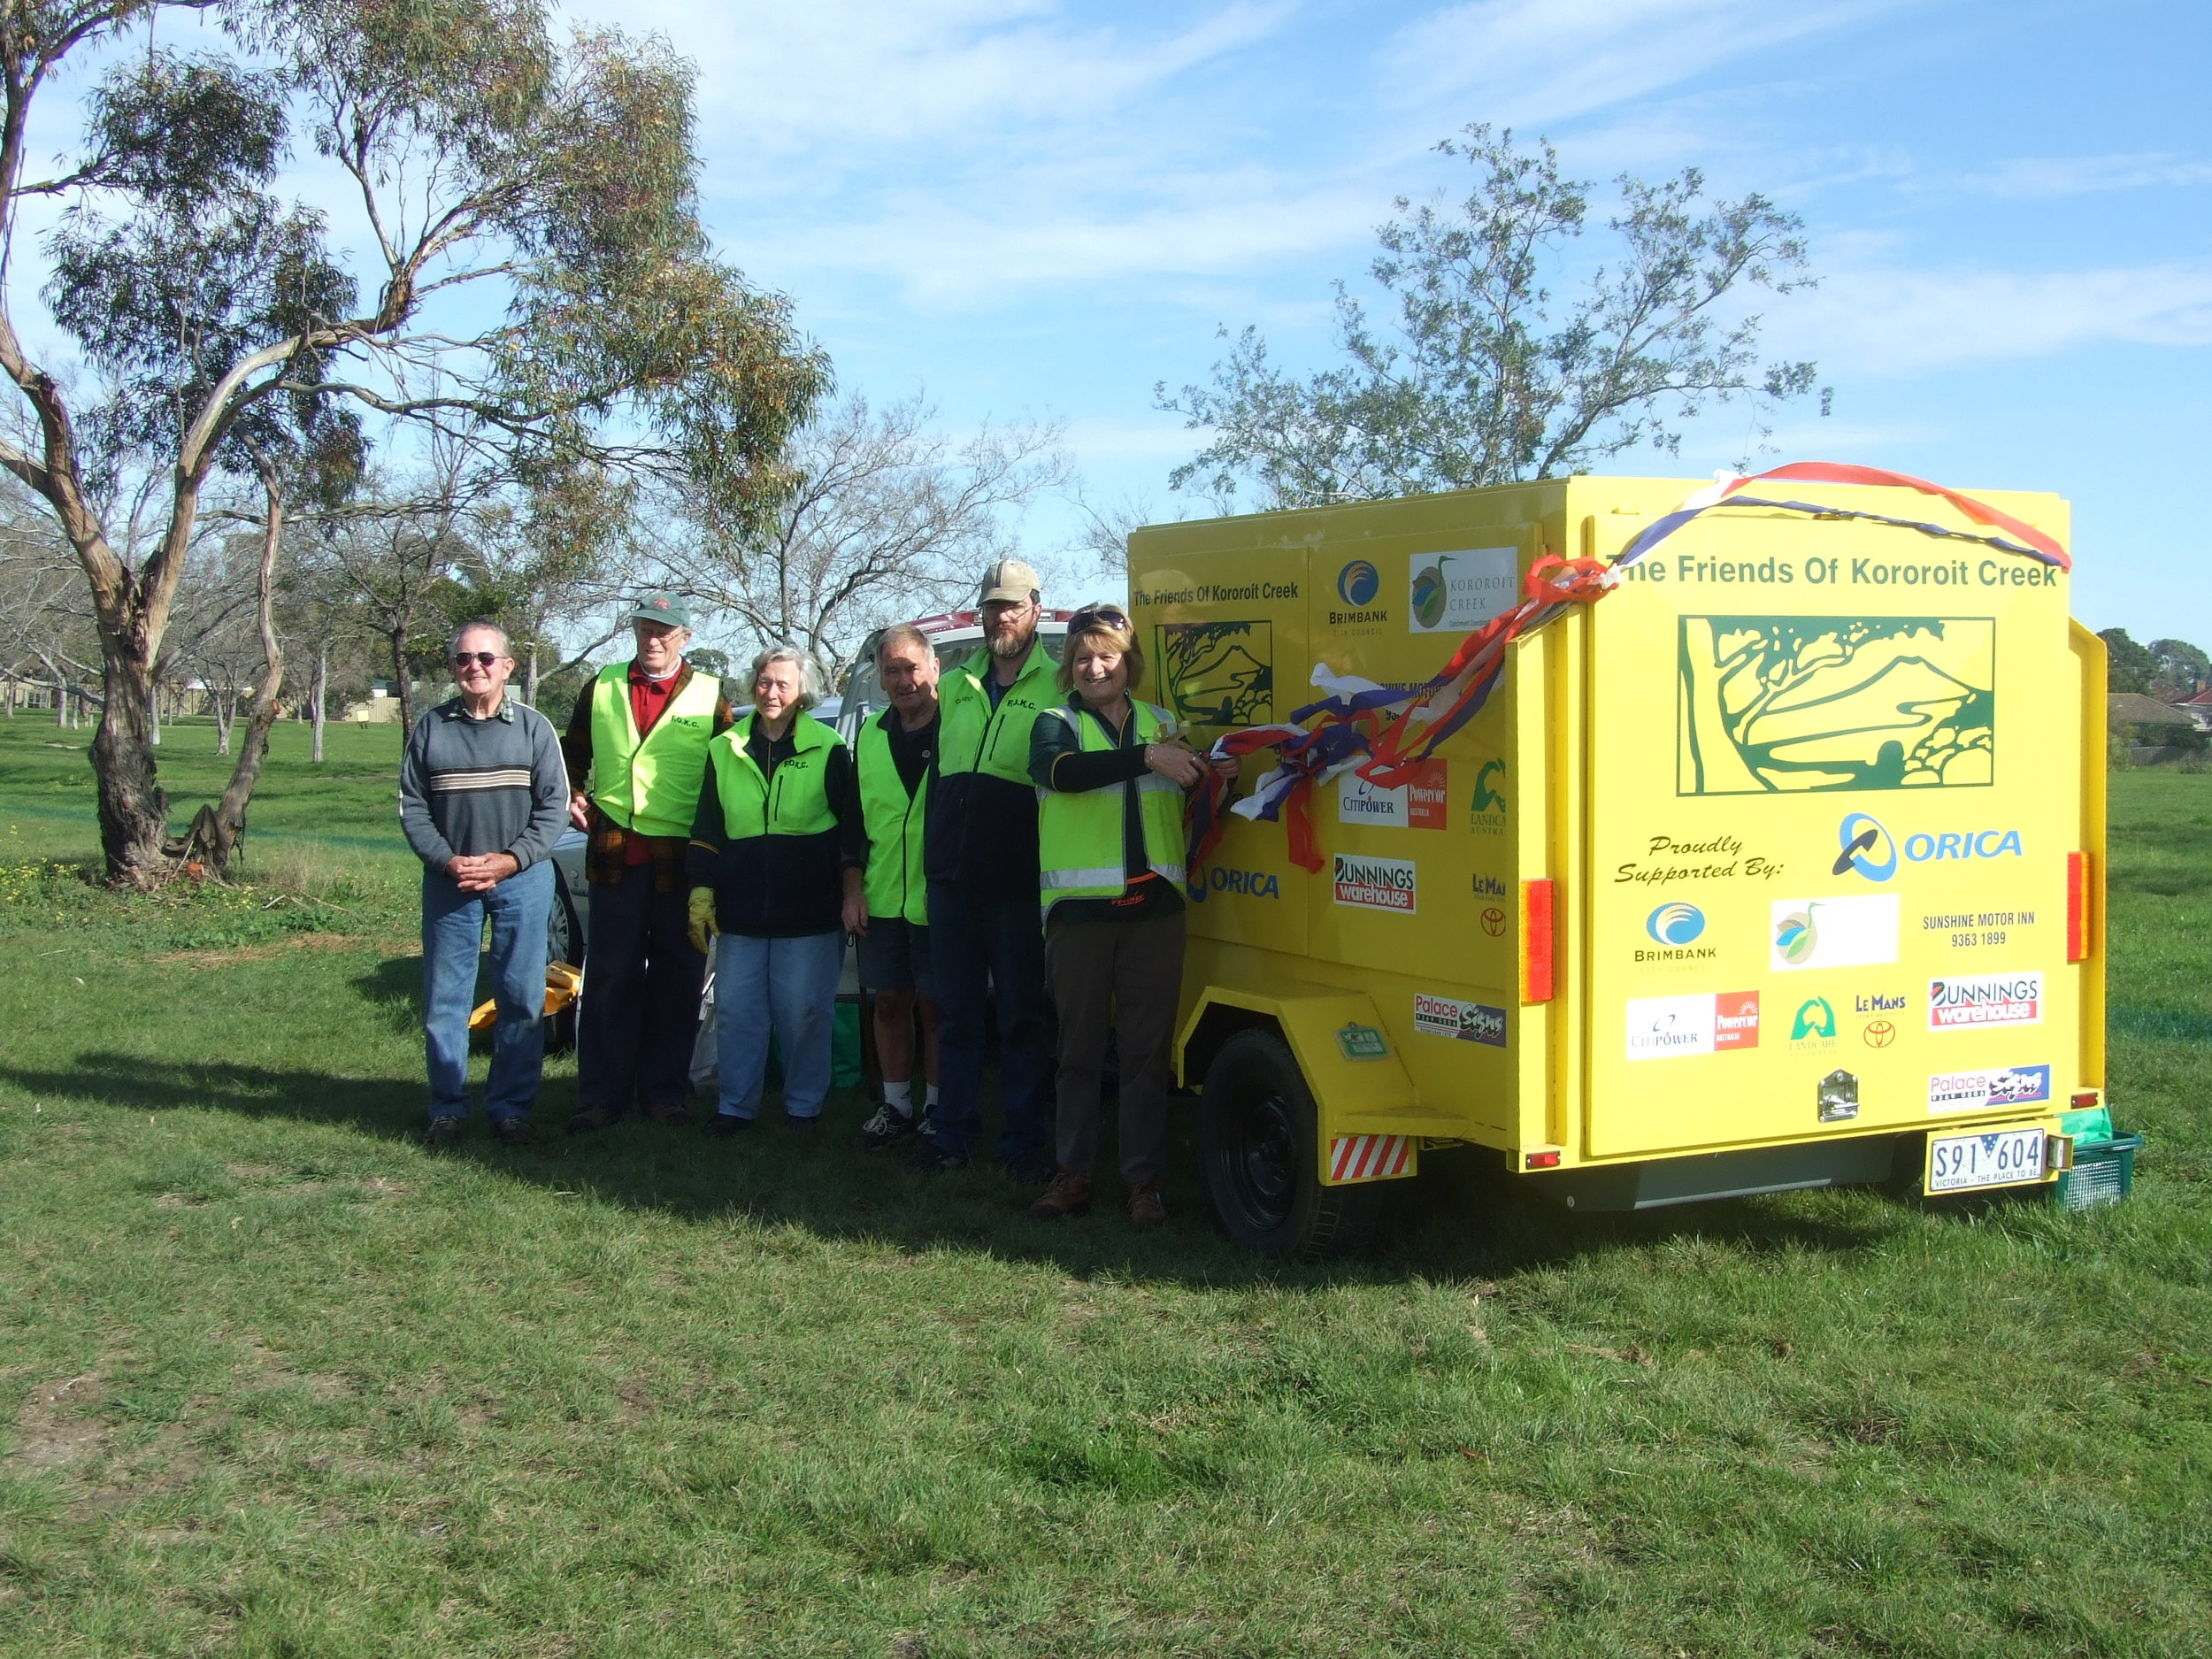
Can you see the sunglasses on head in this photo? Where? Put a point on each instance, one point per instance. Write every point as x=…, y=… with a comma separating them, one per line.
x=1112, y=615
x=482, y=659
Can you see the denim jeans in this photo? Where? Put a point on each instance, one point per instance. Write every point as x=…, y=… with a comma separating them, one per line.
x=452, y=938
x=982, y=945
x=639, y=1013
x=791, y=985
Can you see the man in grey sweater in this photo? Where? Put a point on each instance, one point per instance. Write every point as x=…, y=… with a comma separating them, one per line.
x=483, y=796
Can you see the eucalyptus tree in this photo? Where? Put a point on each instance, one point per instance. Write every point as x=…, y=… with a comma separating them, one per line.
x=1480, y=379
x=539, y=288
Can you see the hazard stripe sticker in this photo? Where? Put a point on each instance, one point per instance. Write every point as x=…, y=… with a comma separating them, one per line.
x=1369, y=1157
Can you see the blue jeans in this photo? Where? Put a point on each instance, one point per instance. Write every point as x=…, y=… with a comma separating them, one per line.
x=791, y=985
x=452, y=938
x=981, y=944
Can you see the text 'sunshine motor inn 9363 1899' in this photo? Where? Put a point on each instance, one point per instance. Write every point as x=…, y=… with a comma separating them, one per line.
x=1755, y=846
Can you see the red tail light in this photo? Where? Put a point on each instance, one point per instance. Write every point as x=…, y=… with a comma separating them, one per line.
x=2076, y=907
x=1539, y=982
x=1543, y=1160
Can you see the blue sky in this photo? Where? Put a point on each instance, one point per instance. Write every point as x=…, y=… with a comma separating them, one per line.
x=1044, y=209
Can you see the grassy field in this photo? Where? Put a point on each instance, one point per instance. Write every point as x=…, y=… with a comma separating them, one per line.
x=282, y=1383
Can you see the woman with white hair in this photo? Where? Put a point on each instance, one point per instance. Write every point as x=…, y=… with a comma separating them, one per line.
x=778, y=848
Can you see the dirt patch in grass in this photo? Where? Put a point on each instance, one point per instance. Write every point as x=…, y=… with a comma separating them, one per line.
x=200, y=961
x=56, y=1430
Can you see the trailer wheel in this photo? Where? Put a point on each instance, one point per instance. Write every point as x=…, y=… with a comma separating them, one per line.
x=1257, y=1156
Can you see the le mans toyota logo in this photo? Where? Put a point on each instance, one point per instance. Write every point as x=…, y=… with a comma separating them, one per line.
x=1357, y=583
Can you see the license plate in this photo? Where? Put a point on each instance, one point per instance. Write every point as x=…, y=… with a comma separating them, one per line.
x=1996, y=1157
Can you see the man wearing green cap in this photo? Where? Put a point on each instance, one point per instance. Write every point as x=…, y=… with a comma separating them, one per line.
x=640, y=736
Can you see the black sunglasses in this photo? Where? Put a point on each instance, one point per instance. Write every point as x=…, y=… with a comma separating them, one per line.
x=482, y=659
x=1111, y=614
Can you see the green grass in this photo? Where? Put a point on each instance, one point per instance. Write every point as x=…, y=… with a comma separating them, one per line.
x=286, y=1383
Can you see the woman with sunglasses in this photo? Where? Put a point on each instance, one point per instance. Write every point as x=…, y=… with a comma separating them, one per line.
x=1111, y=780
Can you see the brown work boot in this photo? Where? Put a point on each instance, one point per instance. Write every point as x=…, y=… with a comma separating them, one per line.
x=675, y=1116
x=1068, y=1195
x=1145, y=1211
x=590, y=1118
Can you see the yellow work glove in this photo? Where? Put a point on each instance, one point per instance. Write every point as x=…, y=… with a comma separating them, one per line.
x=701, y=915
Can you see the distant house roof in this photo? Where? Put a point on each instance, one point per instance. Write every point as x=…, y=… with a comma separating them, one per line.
x=2141, y=710
x=2203, y=699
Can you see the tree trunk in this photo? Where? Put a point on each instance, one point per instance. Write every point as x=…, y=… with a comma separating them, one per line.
x=400, y=683
x=61, y=701
x=134, y=808
x=153, y=715
x=225, y=711
x=530, y=680
x=230, y=811
x=322, y=685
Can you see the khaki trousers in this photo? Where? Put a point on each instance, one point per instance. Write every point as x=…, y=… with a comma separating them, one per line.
x=1124, y=977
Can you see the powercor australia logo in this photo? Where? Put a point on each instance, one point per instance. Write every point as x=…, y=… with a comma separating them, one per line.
x=1356, y=585
x=1869, y=849
x=1485, y=810
x=1252, y=884
x=1376, y=884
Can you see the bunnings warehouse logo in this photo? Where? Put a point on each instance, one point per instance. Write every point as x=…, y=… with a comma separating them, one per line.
x=1985, y=999
x=1376, y=884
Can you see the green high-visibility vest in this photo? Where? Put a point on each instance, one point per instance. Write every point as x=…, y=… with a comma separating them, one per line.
x=895, y=885
x=793, y=800
x=650, y=785
x=1079, y=850
x=975, y=736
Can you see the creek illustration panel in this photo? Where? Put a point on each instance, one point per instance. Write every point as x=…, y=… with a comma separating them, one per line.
x=1217, y=673
x=1770, y=705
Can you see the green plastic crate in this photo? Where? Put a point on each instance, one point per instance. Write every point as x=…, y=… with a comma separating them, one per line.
x=2103, y=1173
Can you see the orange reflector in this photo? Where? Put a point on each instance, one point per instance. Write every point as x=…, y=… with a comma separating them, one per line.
x=1539, y=982
x=2086, y=1100
x=1543, y=1160
x=2076, y=907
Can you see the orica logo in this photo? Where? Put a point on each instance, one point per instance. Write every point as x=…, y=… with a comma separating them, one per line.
x=1258, y=884
x=1675, y=924
x=1357, y=583
x=1866, y=848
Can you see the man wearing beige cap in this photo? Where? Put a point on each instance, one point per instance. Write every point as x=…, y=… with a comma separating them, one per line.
x=980, y=858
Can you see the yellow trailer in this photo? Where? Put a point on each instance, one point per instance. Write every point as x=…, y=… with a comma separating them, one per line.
x=1779, y=867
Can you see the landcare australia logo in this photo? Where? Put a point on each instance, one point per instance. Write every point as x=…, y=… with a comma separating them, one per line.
x=1869, y=849
x=1485, y=810
x=1816, y=1018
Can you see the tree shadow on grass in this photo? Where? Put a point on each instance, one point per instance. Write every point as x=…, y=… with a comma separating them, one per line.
x=1465, y=1218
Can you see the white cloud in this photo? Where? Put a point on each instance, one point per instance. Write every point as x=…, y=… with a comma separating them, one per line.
x=1522, y=61
x=1875, y=322
x=2030, y=178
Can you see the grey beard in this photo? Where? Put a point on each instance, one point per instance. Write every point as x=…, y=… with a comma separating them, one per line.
x=1012, y=648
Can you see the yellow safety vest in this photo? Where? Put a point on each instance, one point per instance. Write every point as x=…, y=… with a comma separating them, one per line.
x=975, y=736
x=1080, y=848
x=895, y=885
x=650, y=785
x=793, y=800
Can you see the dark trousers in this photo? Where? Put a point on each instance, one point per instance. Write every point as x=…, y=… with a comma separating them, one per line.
x=979, y=944
x=1124, y=977
x=640, y=1012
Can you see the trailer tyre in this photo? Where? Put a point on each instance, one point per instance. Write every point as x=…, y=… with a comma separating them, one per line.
x=1259, y=1159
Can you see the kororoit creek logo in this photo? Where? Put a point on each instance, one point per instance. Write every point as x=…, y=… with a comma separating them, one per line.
x=1675, y=924
x=1357, y=583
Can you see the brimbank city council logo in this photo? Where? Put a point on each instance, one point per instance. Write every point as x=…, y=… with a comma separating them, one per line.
x=1675, y=924
x=1866, y=848
x=1357, y=583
